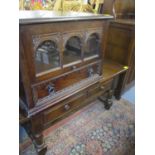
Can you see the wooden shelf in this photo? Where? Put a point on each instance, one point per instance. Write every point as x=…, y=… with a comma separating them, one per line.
x=112, y=69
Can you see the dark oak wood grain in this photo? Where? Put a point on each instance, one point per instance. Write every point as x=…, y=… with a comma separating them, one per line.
x=58, y=75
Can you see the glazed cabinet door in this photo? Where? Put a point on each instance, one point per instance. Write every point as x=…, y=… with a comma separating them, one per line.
x=47, y=53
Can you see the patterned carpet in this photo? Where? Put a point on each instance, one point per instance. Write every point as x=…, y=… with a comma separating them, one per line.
x=91, y=131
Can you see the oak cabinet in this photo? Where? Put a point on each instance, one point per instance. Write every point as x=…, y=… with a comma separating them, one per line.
x=61, y=65
x=62, y=68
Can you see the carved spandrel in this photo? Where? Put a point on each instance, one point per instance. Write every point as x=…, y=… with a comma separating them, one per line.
x=67, y=36
x=38, y=39
x=89, y=32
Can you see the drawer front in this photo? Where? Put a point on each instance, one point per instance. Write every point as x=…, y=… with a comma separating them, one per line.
x=106, y=85
x=53, y=86
x=62, y=109
x=69, y=104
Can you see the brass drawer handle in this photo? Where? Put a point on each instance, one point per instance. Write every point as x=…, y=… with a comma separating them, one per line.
x=67, y=107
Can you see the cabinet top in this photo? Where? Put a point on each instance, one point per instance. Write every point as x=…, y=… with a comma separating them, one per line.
x=28, y=17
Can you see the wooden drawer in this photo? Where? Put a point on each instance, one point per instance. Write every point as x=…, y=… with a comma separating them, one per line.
x=69, y=104
x=106, y=85
x=50, y=87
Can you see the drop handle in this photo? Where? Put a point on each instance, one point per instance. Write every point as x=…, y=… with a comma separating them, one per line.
x=67, y=107
x=51, y=89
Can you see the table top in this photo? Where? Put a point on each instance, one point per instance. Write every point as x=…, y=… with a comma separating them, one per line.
x=28, y=17
x=112, y=69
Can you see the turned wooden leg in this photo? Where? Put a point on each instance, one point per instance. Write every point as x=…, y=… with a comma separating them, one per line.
x=39, y=144
x=37, y=138
x=35, y=128
x=107, y=99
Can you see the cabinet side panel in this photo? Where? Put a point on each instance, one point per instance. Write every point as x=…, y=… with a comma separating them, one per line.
x=24, y=75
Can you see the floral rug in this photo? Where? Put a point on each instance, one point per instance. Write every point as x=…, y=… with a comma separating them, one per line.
x=91, y=131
